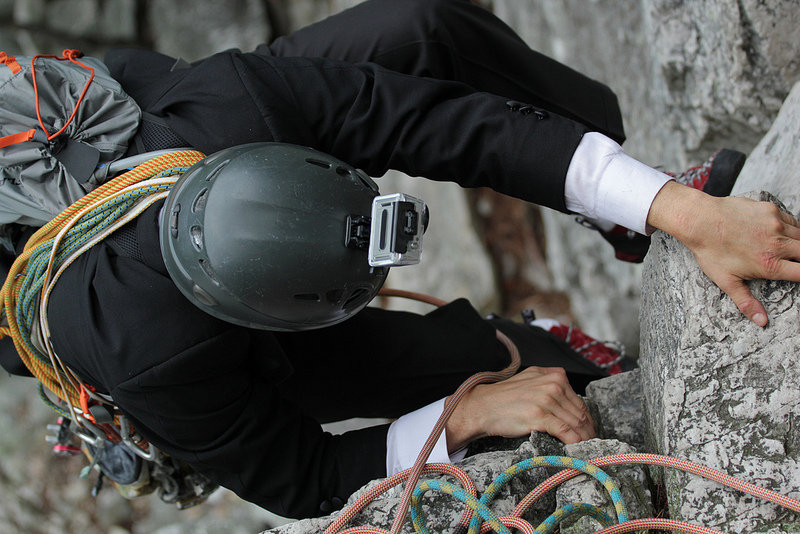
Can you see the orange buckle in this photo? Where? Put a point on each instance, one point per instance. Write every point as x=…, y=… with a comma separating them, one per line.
x=11, y=61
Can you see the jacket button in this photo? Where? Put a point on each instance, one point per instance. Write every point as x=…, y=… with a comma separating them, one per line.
x=513, y=105
x=540, y=114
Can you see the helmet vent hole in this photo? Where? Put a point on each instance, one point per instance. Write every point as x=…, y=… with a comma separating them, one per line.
x=341, y=171
x=199, y=203
x=209, y=271
x=309, y=297
x=197, y=237
x=356, y=298
x=213, y=174
x=318, y=163
x=203, y=297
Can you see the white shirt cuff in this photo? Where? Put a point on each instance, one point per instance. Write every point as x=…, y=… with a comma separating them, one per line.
x=408, y=434
x=605, y=184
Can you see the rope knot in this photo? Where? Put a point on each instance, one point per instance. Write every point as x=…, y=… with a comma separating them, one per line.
x=71, y=53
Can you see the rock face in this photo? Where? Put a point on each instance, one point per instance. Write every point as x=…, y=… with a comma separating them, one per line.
x=442, y=513
x=616, y=405
x=720, y=391
x=774, y=162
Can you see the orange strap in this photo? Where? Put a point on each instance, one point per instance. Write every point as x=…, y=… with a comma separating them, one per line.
x=67, y=55
x=11, y=61
x=13, y=139
x=21, y=137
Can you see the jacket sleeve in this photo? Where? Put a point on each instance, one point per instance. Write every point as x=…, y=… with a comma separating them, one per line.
x=375, y=119
x=222, y=417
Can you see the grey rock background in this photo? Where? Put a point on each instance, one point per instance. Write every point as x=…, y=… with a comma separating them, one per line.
x=773, y=162
x=692, y=75
x=718, y=389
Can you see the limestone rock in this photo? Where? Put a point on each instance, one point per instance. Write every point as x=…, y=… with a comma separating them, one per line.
x=632, y=481
x=616, y=405
x=442, y=512
x=720, y=391
x=193, y=30
x=773, y=164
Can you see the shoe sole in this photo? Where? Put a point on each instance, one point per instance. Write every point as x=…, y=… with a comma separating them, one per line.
x=724, y=172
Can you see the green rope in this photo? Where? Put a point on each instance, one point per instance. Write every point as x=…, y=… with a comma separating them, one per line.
x=481, y=510
x=89, y=225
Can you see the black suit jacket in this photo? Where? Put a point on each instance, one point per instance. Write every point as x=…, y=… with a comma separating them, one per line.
x=371, y=117
x=232, y=401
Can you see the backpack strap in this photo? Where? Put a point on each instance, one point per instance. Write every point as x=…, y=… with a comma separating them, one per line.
x=13, y=139
x=154, y=134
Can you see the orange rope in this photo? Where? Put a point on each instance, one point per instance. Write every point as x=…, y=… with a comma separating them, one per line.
x=386, y=292
x=657, y=523
x=47, y=374
x=67, y=55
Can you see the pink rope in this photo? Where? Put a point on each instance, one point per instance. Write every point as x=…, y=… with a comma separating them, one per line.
x=665, y=461
x=347, y=514
x=412, y=474
x=657, y=523
x=511, y=522
x=449, y=406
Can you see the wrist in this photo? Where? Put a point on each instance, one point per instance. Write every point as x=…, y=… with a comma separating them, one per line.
x=677, y=209
x=464, y=425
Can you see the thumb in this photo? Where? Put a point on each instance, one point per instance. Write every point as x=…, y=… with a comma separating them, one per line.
x=746, y=302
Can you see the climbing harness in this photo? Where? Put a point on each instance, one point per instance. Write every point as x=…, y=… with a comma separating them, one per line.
x=90, y=421
x=478, y=516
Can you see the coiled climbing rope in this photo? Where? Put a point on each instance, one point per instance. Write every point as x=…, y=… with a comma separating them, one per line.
x=23, y=297
x=479, y=508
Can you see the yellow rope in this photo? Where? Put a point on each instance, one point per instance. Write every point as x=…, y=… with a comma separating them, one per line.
x=58, y=381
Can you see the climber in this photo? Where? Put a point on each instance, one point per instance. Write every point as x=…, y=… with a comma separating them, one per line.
x=437, y=88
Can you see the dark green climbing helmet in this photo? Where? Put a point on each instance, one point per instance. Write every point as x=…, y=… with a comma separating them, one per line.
x=273, y=236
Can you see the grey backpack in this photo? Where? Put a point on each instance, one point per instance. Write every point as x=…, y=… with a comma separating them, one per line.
x=62, y=121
